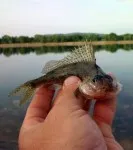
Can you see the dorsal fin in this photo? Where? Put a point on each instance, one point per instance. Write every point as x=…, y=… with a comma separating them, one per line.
x=84, y=53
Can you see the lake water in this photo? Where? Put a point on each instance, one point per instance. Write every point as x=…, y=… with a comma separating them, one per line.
x=20, y=65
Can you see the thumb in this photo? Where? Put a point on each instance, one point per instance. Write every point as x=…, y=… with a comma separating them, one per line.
x=70, y=85
x=66, y=95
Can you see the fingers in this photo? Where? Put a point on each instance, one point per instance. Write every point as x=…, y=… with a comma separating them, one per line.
x=41, y=103
x=66, y=95
x=104, y=112
x=39, y=106
x=67, y=91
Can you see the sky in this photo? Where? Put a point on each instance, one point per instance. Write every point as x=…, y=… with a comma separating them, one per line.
x=30, y=17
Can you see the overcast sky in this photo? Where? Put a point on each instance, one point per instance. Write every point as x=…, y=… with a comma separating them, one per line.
x=30, y=17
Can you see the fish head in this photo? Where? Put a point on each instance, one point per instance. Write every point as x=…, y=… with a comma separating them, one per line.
x=100, y=85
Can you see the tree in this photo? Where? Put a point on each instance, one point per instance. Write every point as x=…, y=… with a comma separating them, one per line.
x=128, y=37
x=73, y=37
x=38, y=38
x=23, y=39
x=105, y=37
x=112, y=37
x=6, y=39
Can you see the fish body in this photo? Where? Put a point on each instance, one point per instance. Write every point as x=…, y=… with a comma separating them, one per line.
x=81, y=63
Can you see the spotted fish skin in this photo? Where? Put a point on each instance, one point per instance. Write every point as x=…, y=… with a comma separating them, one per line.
x=81, y=62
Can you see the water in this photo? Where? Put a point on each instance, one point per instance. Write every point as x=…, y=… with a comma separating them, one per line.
x=17, y=67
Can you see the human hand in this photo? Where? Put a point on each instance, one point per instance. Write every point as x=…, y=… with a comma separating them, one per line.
x=66, y=125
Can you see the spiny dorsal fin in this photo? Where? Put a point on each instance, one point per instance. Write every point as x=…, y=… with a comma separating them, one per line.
x=84, y=53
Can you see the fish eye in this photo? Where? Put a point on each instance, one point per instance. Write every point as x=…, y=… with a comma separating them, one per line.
x=97, y=77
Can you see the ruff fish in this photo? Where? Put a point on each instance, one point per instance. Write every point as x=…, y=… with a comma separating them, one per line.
x=81, y=62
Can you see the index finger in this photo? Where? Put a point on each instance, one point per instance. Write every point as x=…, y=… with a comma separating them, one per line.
x=39, y=106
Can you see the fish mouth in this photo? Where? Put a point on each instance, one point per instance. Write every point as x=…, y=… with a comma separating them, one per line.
x=100, y=87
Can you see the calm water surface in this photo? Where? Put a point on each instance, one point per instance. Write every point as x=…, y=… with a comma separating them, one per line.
x=19, y=68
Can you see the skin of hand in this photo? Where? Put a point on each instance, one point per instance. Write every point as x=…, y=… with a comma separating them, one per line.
x=66, y=123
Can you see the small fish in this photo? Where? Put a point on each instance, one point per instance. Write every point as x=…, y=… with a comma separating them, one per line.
x=81, y=63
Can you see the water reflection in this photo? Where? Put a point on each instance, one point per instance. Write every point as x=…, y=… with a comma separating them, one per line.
x=19, y=68
x=42, y=50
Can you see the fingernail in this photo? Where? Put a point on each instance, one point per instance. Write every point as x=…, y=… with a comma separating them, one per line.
x=71, y=80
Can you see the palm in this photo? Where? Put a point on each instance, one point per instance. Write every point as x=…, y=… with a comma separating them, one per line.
x=67, y=125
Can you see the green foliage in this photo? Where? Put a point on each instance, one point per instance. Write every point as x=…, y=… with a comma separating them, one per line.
x=128, y=37
x=23, y=39
x=73, y=37
x=110, y=37
x=39, y=38
x=6, y=39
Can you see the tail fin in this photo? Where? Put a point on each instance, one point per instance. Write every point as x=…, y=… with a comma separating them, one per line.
x=26, y=90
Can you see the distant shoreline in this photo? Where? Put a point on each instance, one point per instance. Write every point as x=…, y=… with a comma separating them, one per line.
x=17, y=45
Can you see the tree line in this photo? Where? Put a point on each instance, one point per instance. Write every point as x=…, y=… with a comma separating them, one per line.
x=73, y=37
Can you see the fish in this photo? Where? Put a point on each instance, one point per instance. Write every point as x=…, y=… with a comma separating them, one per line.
x=81, y=62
